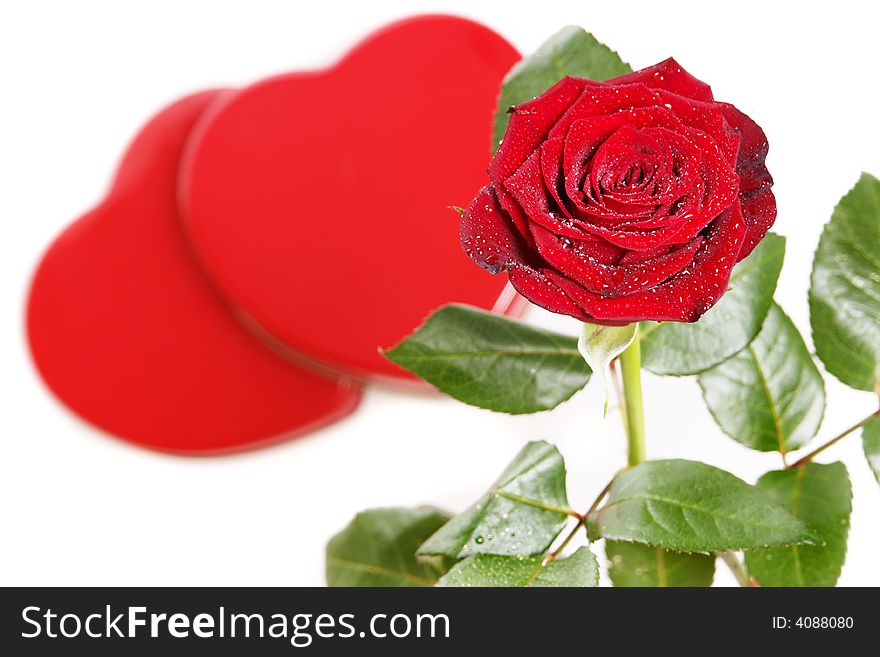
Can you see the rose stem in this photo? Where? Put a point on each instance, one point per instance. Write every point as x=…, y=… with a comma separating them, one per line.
x=631, y=373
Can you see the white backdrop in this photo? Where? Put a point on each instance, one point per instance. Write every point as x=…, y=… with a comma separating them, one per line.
x=78, y=79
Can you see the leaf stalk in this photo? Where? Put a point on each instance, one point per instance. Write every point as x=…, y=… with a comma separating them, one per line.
x=821, y=448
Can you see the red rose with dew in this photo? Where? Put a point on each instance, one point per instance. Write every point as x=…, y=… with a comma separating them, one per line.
x=626, y=200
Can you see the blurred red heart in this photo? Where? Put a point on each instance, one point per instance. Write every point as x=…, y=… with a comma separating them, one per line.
x=128, y=332
x=319, y=202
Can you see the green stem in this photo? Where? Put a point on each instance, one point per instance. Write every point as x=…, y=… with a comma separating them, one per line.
x=582, y=519
x=821, y=448
x=631, y=373
x=736, y=567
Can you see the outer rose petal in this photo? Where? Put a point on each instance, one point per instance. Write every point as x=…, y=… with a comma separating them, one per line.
x=758, y=202
x=669, y=75
x=706, y=117
x=611, y=279
x=528, y=127
x=759, y=212
x=602, y=99
x=752, y=150
x=651, y=117
x=526, y=188
x=688, y=295
x=538, y=288
x=489, y=240
x=488, y=237
x=529, y=124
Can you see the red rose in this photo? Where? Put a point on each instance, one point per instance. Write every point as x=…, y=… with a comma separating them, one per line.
x=626, y=200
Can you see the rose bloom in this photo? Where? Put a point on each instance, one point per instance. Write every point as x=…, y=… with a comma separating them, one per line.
x=622, y=201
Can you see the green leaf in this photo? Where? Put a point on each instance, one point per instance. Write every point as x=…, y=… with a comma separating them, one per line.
x=845, y=288
x=693, y=507
x=378, y=548
x=493, y=362
x=520, y=515
x=770, y=396
x=871, y=443
x=726, y=328
x=580, y=569
x=821, y=496
x=599, y=345
x=632, y=564
x=569, y=52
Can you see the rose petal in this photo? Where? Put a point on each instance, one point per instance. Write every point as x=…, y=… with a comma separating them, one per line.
x=752, y=150
x=625, y=148
x=529, y=124
x=490, y=241
x=527, y=128
x=551, y=170
x=651, y=117
x=526, y=187
x=756, y=197
x=689, y=294
x=600, y=250
x=582, y=144
x=669, y=75
x=722, y=183
x=538, y=288
x=759, y=212
x=488, y=237
x=610, y=279
x=602, y=100
x=636, y=257
x=721, y=190
x=706, y=117
x=585, y=137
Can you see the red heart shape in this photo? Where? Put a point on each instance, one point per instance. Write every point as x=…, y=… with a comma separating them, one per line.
x=127, y=331
x=319, y=202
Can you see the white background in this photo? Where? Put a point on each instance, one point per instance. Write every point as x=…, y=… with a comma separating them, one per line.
x=78, y=79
